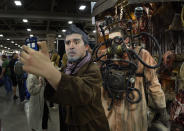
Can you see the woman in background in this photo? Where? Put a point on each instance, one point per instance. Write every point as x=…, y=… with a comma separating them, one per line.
x=36, y=86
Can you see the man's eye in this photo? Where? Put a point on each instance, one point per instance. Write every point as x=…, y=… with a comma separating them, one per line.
x=76, y=42
x=67, y=42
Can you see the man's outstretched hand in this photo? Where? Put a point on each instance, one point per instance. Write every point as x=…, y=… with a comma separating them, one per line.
x=36, y=62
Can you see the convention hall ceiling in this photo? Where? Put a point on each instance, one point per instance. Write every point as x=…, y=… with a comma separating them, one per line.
x=43, y=17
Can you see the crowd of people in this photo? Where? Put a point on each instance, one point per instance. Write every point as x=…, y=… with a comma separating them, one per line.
x=12, y=76
x=77, y=88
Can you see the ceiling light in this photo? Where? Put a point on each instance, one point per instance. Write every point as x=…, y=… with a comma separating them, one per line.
x=25, y=20
x=12, y=42
x=28, y=29
x=63, y=30
x=1, y=35
x=94, y=31
x=31, y=35
x=1, y=46
x=82, y=7
x=8, y=48
x=59, y=36
x=8, y=39
x=70, y=22
x=16, y=44
x=18, y=2
x=5, y=47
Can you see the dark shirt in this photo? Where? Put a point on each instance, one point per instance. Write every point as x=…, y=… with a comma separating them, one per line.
x=11, y=65
x=7, y=68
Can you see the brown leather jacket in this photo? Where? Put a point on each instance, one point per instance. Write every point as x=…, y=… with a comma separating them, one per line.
x=80, y=95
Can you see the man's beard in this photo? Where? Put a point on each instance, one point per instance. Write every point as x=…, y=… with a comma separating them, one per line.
x=73, y=59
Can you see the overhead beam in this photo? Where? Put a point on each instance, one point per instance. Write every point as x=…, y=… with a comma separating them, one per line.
x=25, y=32
x=30, y=24
x=43, y=16
x=20, y=39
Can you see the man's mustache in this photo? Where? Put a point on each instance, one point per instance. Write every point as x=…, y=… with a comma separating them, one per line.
x=72, y=52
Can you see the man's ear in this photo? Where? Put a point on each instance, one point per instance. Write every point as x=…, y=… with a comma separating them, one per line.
x=87, y=46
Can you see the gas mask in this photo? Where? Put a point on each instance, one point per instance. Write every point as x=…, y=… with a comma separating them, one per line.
x=119, y=79
x=115, y=48
x=119, y=74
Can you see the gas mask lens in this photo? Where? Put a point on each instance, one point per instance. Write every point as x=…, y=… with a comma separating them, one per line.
x=117, y=40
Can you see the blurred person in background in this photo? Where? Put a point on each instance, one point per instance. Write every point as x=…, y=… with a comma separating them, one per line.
x=21, y=77
x=36, y=86
x=55, y=59
x=12, y=62
x=6, y=74
x=1, y=61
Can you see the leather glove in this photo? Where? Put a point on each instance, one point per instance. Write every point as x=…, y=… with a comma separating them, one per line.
x=162, y=116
